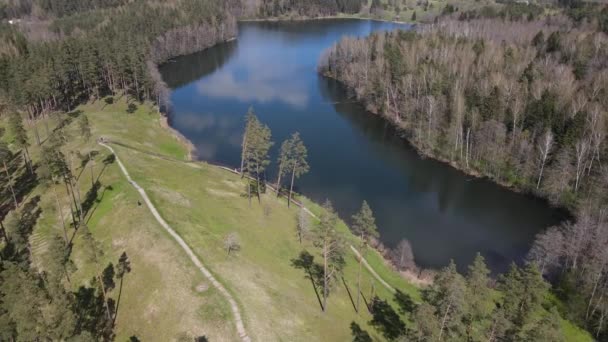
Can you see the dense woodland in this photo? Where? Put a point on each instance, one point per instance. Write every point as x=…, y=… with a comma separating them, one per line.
x=312, y=8
x=105, y=51
x=524, y=103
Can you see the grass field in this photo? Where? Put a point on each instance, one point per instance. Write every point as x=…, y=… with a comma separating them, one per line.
x=165, y=298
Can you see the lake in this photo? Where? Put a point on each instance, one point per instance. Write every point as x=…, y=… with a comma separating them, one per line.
x=353, y=155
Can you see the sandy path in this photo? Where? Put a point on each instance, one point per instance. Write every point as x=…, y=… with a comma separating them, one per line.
x=240, y=327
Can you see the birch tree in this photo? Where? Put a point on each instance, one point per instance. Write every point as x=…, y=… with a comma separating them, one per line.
x=544, y=148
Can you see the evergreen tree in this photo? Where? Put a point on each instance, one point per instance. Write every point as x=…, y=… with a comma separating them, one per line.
x=364, y=226
x=526, y=289
x=292, y=160
x=426, y=326
x=5, y=158
x=332, y=249
x=447, y=295
x=94, y=253
x=478, y=299
x=256, y=145
x=122, y=268
x=15, y=123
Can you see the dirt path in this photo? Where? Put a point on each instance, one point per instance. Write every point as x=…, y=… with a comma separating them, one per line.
x=240, y=327
x=271, y=187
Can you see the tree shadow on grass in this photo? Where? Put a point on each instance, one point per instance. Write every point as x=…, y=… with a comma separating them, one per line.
x=87, y=158
x=359, y=335
x=386, y=320
x=91, y=312
x=405, y=302
x=97, y=201
x=90, y=198
x=314, y=272
x=349, y=294
x=109, y=160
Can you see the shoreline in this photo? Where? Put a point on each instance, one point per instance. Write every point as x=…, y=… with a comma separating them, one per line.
x=278, y=19
x=412, y=276
x=568, y=212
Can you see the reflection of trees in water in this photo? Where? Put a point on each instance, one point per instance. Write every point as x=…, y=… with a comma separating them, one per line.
x=189, y=68
x=421, y=175
x=479, y=202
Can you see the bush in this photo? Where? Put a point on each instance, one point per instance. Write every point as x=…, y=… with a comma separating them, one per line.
x=131, y=108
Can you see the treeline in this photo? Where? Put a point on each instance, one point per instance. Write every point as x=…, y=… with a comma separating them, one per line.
x=111, y=56
x=310, y=8
x=466, y=308
x=525, y=103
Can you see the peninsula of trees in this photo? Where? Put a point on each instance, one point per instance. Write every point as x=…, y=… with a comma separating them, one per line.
x=523, y=102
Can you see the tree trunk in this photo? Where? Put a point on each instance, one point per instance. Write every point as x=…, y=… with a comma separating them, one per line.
x=325, y=277
x=91, y=168
x=279, y=180
x=67, y=190
x=105, y=300
x=65, y=232
x=4, y=235
x=118, y=301
x=468, y=147
x=359, y=279
x=293, y=176
x=28, y=161
x=249, y=191
x=10, y=185
x=443, y=321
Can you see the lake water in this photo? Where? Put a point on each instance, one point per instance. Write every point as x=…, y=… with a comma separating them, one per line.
x=353, y=155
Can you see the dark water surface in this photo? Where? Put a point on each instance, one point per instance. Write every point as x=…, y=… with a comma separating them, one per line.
x=353, y=155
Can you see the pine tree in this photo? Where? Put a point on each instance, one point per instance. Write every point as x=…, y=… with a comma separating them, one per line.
x=364, y=226
x=5, y=157
x=94, y=253
x=122, y=268
x=21, y=140
x=478, y=298
x=332, y=249
x=526, y=289
x=426, y=326
x=283, y=161
x=256, y=145
x=292, y=160
x=447, y=295
x=85, y=133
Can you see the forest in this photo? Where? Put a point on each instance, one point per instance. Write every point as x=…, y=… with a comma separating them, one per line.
x=315, y=8
x=523, y=103
x=44, y=67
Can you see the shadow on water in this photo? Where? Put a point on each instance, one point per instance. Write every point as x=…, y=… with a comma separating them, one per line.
x=476, y=206
x=187, y=69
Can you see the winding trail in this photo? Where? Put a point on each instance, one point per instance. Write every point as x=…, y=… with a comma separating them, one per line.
x=240, y=327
